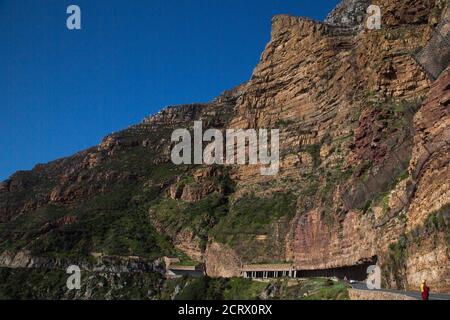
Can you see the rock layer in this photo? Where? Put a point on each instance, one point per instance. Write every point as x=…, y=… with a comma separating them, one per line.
x=364, y=165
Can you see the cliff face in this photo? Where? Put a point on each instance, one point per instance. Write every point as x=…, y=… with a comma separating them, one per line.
x=427, y=252
x=364, y=145
x=345, y=99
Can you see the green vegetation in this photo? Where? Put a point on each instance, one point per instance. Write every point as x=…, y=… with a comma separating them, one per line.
x=395, y=265
x=314, y=151
x=314, y=289
x=282, y=123
x=206, y=288
x=324, y=290
x=382, y=197
x=110, y=215
x=51, y=284
x=395, y=114
x=311, y=189
x=401, y=32
x=254, y=215
x=17, y=233
x=245, y=289
x=117, y=233
x=113, y=223
x=203, y=288
x=34, y=284
x=199, y=217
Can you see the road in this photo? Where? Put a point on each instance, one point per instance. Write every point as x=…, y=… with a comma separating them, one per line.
x=413, y=294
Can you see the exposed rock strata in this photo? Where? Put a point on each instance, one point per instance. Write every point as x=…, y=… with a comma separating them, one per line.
x=345, y=101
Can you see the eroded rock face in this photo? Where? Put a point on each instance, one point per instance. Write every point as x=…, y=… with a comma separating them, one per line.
x=308, y=111
x=349, y=13
x=429, y=260
x=363, y=295
x=321, y=246
x=190, y=244
x=431, y=154
x=112, y=264
x=221, y=261
x=193, y=192
x=345, y=102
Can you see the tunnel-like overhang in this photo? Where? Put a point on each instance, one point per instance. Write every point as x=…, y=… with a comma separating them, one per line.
x=356, y=272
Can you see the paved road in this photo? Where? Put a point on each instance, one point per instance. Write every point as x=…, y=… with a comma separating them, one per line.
x=416, y=295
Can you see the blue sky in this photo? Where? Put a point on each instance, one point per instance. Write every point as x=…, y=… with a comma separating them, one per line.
x=61, y=91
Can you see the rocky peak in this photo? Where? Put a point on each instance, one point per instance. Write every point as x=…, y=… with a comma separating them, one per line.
x=284, y=25
x=344, y=101
x=348, y=13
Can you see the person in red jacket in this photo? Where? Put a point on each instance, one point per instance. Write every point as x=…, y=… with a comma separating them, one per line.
x=425, y=291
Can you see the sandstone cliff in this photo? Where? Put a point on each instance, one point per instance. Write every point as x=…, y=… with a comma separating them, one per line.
x=364, y=171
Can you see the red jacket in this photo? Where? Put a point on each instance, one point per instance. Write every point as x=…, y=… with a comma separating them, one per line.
x=426, y=293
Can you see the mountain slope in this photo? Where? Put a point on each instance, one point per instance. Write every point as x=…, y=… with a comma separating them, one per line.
x=364, y=166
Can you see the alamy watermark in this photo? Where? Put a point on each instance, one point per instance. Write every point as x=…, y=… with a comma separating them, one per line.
x=373, y=21
x=242, y=147
x=74, y=280
x=73, y=22
x=373, y=281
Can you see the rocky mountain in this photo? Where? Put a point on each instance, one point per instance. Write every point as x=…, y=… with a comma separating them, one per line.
x=364, y=169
